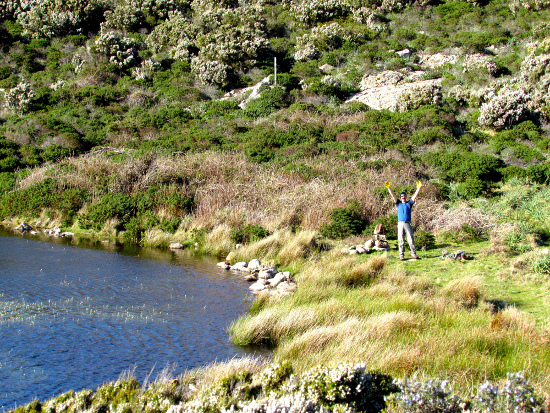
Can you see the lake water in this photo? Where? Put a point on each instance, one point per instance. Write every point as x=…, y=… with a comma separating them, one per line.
x=74, y=318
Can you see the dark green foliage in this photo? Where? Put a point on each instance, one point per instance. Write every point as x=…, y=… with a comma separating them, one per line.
x=33, y=407
x=345, y=222
x=133, y=231
x=248, y=233
x=217, y=108
x=286, y=80
x=475, y=172
x=55, y=153
x=169, y=225
x=539, y=173
x=5, y=72
x=7, y=182
x=424, y=239
x=111, y=205
x=270, y=101
x=390, y=226
x=44, y=195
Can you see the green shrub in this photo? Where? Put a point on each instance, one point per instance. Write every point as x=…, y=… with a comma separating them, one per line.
x=270, y=101
x=345, y=222
x=390, y=226
x=111, y=205
x=33, y=200
x=133, y=231
x=248, y=233
x=541, y=264
x=348, y=385
x=424, y=239
x=7, y=182
x=55, y=153
x=169, y=225
x=274, y=376
x=539, y=173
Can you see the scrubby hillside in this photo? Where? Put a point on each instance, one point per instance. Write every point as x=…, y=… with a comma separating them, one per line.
x=158, y=121
x=114, y=111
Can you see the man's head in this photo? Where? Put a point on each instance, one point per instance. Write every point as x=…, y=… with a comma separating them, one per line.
x=403, y=196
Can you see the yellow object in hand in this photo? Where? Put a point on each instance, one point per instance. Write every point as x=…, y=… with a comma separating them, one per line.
x=418, y=184
x=387, y=184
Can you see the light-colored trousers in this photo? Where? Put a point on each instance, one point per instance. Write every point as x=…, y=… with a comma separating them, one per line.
x=405, y=227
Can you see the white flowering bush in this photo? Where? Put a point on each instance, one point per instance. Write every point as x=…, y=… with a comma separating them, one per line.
x=48, y=18
x=419, y=95
x=175, y=32
x=314, y=11
x=326, y=37
x=517, y=5
x=132, y=14
x=121, y=51
x=11, y=9
x=19, y=99
x=57, y=85
x=202, y=5
x=213, y=73
x=433, y=396
x=273, y=376
x=367, y=17
x=232, y=44
x=346, y=384
x=517, y=396
x=506, y=108
x=305, y=51
x=146, y=69
x=534, y=67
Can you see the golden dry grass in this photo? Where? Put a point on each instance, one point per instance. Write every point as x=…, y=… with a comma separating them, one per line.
x=229, y=189
x=466, y=291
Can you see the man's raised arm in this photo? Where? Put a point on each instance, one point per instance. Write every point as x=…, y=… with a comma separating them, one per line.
x=388, y=185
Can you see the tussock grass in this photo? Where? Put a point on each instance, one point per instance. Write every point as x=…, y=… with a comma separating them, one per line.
x=398, y=322
x=156, y=238
x=203, y=377
x=336, y=270
x=466, y=291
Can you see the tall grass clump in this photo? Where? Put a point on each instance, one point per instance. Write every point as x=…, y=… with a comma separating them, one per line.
x=466, y=291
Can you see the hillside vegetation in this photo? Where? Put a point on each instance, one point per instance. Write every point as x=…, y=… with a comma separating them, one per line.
x=154, y=121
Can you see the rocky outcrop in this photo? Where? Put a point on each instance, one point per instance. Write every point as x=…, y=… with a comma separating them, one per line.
x=390, y=89
x=264, y=278
x=377, y=242
x=55, y=232
x=247, y=94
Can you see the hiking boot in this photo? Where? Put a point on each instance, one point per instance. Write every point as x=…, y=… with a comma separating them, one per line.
x=415, y=257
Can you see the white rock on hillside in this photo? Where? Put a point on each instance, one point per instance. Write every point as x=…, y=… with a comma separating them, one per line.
x=388, y=94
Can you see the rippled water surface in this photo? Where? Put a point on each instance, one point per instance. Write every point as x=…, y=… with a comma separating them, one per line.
x=74, y=318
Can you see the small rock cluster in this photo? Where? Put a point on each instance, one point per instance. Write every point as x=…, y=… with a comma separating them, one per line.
x=378, y=242
x=56, y=232
x=264, y=278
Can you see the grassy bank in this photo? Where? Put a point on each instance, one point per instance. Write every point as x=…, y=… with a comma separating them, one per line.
x=463, y=321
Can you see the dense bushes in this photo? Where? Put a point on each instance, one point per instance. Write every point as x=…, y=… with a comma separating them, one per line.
x=30, y=202
x=345, y=222
x=248, y=233
x=473, y=171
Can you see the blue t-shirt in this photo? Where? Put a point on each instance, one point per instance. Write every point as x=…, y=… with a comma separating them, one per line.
x=404, y=210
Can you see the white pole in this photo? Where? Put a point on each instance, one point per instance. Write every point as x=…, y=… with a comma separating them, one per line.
x=275, y=70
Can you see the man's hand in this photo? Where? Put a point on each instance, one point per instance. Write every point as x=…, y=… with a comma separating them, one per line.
x=387, y=184
x=419, y=184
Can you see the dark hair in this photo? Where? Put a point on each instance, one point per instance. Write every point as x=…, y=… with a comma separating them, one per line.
x=402, y=193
